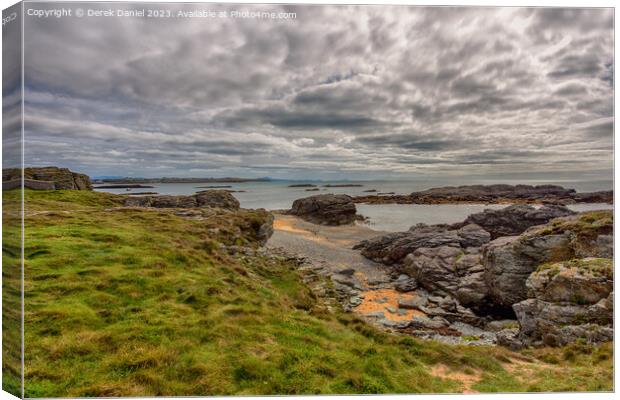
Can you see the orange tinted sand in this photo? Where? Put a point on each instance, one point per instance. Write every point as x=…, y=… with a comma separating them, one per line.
x=379, y=300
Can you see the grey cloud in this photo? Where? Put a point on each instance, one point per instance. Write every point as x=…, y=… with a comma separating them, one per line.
x=374, y=90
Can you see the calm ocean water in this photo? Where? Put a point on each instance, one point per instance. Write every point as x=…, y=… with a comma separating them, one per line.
x=388, y=217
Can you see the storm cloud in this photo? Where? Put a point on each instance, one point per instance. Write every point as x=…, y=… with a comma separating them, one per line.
x=353, y=91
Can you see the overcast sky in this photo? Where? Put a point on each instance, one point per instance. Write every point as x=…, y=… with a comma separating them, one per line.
x=349, y=92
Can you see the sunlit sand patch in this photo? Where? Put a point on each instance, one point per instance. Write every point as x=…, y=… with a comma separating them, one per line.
x=386, y=301
x=291, y=225
x=467, y=380
x=287, y=225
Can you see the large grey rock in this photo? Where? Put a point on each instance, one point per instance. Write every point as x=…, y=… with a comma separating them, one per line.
x=514, y=220
x=434, y=268
x=326, y=209
x=509, y=261
x=449, y=270
x=393, y=248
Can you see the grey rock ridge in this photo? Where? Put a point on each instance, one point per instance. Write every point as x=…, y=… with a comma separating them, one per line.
x=520, y=194
x=325, y=209
x=207, y=198
x=45, y=178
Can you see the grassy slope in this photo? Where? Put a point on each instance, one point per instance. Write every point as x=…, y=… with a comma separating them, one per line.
x=11, y=294
x=142, y=302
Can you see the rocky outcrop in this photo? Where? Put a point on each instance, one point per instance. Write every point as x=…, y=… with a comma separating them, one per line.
x=325, y=209
x=393, y=248
x=514, y=220
x=568, y=301
x=605, y=196
x=498, y=194
x=509, y=261
x=45, y=178
x=448, y=270
x=207, y=198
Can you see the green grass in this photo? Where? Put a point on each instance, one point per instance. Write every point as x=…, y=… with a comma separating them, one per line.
x=127, y=302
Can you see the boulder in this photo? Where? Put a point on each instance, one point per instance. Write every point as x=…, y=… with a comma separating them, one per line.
x=47, y=178
x=568, y=301
x=514, y=220
x=217, y=198
x=509, y=261
x=325, y=209
x=208, y=198
x=509, y=338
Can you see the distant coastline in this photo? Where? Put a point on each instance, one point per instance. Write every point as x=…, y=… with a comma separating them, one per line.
x=130, y=181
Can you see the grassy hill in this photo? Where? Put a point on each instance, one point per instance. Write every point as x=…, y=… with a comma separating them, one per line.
x=128, y=302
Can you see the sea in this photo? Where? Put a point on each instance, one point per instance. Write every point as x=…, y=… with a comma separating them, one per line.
x=278, y=195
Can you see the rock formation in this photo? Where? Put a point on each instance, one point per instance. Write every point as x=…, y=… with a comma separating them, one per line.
x=568, y=301
x=556, y=277
x=45, y=178
x=325, y=209
x=510, y=260
x=518, y=194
